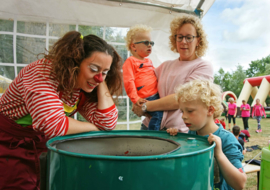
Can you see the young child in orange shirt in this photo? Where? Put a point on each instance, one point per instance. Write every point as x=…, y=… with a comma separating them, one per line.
x=138, y=72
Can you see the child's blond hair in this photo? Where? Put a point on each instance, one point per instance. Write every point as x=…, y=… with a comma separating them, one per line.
x=207, y=91
x=133, y=32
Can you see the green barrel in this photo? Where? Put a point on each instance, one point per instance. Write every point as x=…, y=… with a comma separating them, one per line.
x=265, y=169
x=130, y=160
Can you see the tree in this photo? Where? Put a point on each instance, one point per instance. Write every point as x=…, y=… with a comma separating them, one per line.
x=222, y=79
x=267, y=69
x=236, y=83
x=258, y=67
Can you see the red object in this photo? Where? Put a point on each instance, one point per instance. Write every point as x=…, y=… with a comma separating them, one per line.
x=20, y=148
x=229, y=94
x=240, y=169
x=245, y=132
x=98, y=78
x=126, y=152
x=217, y=121
x=256, y=81
x=223, y=124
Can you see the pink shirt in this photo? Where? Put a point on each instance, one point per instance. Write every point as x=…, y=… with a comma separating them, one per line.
x=245, y=110
x=232, y=108
x=258, y=110
x=173, y=73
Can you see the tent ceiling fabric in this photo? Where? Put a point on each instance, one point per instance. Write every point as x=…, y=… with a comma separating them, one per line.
x=117, y=13
x=122, y=13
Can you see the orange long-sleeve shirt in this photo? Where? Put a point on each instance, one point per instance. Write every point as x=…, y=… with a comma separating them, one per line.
x=140, y=80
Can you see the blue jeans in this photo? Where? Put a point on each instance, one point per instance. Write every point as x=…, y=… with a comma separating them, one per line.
x=259, y=121
x=156, y=118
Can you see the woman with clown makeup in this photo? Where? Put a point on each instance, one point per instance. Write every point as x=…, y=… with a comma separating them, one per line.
x=78, y=74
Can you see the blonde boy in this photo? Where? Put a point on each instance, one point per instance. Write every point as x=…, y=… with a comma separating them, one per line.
x=138, y=72
x=200, y=102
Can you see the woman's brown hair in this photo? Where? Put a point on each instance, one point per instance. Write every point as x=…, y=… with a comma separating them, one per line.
x=67, y=54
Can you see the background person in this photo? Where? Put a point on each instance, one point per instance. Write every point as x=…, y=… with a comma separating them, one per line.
x=236, y=131
x=232, y=111
x=222, y=122
x=76, y=75
x=139, y=76
x=189, y=40
x=258, y=111
x=245, y=113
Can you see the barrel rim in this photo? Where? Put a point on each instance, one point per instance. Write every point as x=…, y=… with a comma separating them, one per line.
x=106, y=157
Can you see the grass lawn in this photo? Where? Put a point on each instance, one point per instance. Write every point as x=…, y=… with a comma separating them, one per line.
x=260, y=139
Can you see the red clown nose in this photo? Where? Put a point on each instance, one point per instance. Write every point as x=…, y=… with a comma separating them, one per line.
x=98, y=78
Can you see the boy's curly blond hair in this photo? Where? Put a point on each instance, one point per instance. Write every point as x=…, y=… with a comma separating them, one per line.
x=178, y=22
x=207, y=91
x=133, y=32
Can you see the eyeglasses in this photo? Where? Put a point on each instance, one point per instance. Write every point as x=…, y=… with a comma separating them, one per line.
x=189, y=38
x=146, y=42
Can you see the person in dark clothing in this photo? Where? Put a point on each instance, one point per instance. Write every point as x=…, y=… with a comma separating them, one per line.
x=236, y=131
x=225, y=110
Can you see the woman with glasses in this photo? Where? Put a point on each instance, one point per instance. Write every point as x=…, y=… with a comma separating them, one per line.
x=188, y=39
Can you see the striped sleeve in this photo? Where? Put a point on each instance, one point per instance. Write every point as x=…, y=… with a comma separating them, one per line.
x=43, y=104
x=105, y=119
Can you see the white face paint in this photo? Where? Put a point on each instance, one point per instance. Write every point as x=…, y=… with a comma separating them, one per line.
x=97, y=64
x=93, y=68
x=96, y=69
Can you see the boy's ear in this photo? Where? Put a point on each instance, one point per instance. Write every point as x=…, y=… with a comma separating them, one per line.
x=211, y=110
x=132, y=46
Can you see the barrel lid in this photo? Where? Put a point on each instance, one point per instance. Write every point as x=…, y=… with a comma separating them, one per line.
x=190, y=144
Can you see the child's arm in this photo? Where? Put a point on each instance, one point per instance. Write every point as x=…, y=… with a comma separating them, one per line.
x=231, y=174
x=263, y=112
x=129, y=81
x=140, y=102
x=252, y=114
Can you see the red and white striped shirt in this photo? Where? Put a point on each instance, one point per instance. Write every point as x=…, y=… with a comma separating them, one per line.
x=34, y=92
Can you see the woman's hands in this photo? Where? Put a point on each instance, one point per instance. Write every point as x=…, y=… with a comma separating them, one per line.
x=138, y=111
x=166, y=103
x=104, y=97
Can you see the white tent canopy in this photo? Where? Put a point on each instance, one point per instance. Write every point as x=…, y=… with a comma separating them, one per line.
x=27, y=27
x=116, y=13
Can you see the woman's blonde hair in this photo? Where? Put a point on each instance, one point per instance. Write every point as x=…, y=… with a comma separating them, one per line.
x=207, y=91
x=133, y=32
x=231, y=99
x=178, y=22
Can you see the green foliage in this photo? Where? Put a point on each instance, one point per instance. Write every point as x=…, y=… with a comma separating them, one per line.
x=236, y=82
x=223, y=79
x=258, y=67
